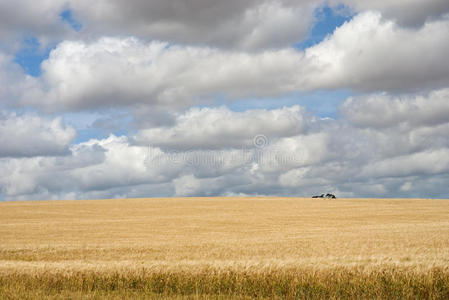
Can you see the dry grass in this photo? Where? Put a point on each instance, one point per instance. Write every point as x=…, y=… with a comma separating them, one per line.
x=222, y=247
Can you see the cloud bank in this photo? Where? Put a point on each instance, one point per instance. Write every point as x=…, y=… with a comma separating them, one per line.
x=367, y=54
x=213, y=152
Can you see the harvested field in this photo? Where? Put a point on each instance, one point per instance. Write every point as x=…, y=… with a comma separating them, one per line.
x=225, y=247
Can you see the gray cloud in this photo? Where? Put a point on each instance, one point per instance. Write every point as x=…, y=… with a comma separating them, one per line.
x=230, y=24
x=408, y=12
x=239, y=24
x=26, y=18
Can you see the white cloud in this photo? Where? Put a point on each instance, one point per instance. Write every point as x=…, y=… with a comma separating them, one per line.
x=397, y=125
x=422, y=163
x=120, y=72
x=216, y=128
x=95, y=167
x=383, y=110
x=187, y=185
x=344, y=156
x=368, y=53
x=25, y=136
x=371, y=53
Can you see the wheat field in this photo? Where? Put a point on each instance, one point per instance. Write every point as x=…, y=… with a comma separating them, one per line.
x=239, y=248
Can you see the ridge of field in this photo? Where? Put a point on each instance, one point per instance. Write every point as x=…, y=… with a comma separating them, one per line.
x=255, y=235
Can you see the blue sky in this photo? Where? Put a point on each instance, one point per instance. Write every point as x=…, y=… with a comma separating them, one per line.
x=31, y=55
x=327, y=20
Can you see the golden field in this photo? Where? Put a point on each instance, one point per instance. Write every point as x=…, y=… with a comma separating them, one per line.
x=225, y=248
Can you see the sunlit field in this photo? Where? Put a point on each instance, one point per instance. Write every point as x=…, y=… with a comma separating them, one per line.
x=225, y=248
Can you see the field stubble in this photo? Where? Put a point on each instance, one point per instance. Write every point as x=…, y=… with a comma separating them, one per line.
x=225, y=247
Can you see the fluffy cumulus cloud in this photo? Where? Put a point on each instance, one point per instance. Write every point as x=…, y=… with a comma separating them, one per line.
x=384, y=111
x=416, y=143
x=300, y=155
x=372, y=53
x=169, y=82
x=368, y=53
x=117, y=72
x=217, y=128
x=96, y=166
x=25, y=136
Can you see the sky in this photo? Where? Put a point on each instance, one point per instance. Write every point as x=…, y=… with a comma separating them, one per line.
x=119, y=99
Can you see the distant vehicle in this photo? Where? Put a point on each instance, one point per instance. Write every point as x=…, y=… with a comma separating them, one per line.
x=328, y=196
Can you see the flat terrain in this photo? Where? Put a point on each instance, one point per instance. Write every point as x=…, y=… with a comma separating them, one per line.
x=249, y=234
